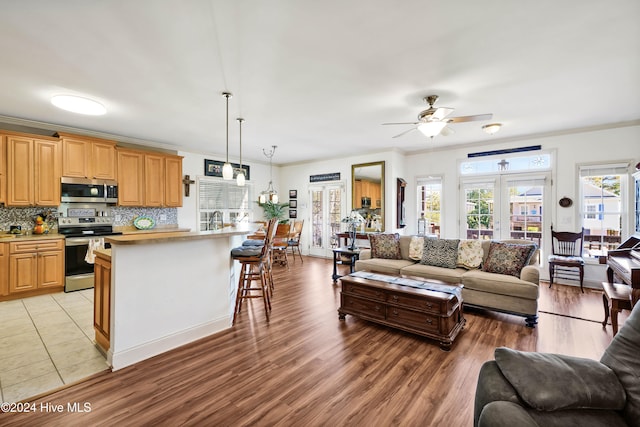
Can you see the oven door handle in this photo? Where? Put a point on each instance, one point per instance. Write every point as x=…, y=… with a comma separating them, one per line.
x=78, y=241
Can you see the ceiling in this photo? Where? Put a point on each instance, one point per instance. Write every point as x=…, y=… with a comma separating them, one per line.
x=317, y=78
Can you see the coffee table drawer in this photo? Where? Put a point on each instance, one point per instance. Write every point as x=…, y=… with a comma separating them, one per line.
x=351, y=304
x=422, y=321
x=420, y=303
x=364, y=291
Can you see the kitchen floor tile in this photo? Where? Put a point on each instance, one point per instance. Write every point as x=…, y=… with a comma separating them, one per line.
x=83, y=369
x=72, y=352
x=27, y=372
x=32, y=387
x=32, y=356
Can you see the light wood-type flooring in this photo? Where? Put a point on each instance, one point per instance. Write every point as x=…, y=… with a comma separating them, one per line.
x=307, y=368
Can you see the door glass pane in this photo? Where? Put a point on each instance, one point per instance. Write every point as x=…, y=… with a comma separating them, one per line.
x=335, y=211
x=479, y=205
x=317, y=219
x=525, y=207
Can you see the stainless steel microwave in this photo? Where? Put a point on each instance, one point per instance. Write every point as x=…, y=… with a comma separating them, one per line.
x=80, y=190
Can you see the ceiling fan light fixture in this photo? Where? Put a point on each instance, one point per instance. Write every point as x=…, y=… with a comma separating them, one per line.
x=492, y=128
x=79, y=105
x=431, y=129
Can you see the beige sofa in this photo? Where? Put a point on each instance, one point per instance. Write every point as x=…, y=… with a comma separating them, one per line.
x=498, y=292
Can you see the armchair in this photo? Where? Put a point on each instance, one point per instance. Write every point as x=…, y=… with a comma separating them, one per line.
x=542, y=389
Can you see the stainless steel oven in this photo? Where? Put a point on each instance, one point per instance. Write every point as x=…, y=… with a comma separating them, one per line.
x=80, y=226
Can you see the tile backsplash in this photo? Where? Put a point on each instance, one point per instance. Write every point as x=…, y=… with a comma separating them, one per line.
x=123, y=216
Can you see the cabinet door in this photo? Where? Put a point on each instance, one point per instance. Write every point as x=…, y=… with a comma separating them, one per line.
x=173, y=182
x=102, y=302
x=75, y=158
x=3, y=169
x=357, y=194
x=4, y=269
x=47, y=173
x=154, y=180
x=50, y=269
x=19, y=171
x=23, y=272
x=103, y=160
x=130, y=178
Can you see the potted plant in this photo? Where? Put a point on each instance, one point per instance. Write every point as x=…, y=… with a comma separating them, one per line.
x=274, y=210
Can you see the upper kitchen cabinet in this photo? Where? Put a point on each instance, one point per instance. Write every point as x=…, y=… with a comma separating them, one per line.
x=130, y=177
x=3, y=169
x=86, y=157
x=33, y=170
x=173, y=181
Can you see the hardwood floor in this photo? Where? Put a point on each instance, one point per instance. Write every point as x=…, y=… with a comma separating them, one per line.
x=308, y=368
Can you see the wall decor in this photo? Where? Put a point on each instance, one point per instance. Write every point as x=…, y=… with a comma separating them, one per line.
x=293, y=213
x=335, y=176
x=214, y=168
x=505, y=151
x=293, y=203
x=293, y=194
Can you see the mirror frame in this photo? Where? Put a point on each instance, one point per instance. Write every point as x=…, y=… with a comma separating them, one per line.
x=382, y=186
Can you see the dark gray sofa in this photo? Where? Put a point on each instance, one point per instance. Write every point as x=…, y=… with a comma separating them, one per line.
x=542, y=389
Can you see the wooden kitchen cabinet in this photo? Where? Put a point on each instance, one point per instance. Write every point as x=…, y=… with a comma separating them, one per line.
x=130, y=177
x=4, y=269
x=3, y=169
x=36, y=266
x=102, y=301
x=154, y=180
x=173, y=181
x=33, y=171
x=86, y=157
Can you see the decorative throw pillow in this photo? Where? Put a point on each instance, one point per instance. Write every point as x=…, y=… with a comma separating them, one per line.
x=440, y=252
x=470, y=254
x=507, y=258
x=415, y=247
x=385, y=246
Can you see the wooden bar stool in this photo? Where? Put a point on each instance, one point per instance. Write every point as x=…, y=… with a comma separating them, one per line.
x=616, y=297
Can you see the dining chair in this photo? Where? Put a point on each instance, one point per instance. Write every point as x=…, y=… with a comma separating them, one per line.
x=565, y=261
x=293, y=241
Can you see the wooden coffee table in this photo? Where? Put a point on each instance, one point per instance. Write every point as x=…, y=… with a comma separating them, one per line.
x=429, y=308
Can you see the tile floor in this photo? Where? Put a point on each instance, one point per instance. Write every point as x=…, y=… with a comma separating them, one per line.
x=45, y=342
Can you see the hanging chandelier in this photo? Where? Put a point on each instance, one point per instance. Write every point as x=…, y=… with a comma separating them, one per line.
x=227, y=169
x=240, y=178
x=269, y=195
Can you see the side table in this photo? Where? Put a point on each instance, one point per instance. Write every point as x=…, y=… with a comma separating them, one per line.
x=353, y=255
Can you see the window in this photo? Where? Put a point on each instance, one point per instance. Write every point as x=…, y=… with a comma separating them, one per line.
x=602, y=192
x=216, y=195
x=430, y=202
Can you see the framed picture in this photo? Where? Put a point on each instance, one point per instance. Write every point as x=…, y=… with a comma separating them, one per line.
x=214, y=168
x=293, y=194
x=293, y=203
x=293, y=213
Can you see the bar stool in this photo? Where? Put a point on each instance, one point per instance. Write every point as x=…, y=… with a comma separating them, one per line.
x=616, y=297
x=254, y=268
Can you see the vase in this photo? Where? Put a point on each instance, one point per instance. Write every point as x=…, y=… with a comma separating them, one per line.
x=353, y=233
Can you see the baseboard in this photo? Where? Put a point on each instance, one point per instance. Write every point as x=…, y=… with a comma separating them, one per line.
x=127, y=357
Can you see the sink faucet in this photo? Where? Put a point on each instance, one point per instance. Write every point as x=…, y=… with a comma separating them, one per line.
x=216, y=221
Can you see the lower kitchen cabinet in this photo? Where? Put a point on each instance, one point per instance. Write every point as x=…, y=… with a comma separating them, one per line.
x=35, y=267
x=102, y=301
x=4, y=269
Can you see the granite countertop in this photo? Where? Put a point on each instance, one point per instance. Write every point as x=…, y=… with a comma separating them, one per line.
x=152, y=236
x=130, y=229
x=23, y=237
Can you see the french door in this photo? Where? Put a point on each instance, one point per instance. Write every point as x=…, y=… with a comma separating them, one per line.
x=328, y=207
x=505, y=207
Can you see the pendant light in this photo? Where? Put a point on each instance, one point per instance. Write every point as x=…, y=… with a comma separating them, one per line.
x=227, y=169
x=269, y=195
x=240, y=178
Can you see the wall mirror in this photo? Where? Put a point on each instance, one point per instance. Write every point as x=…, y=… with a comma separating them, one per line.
x=367, y=188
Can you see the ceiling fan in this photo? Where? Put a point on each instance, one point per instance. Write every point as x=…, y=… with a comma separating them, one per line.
x=433, y=121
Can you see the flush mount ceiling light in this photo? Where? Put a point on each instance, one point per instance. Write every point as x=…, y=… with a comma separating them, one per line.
x=240, y=178
x=78, y=104
x=431, y=129
x=492, y=128
x=227, y=169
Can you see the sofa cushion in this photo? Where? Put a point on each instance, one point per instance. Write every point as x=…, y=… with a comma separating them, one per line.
x=415, y=248
x=385, y=246
x=389, y=266
x=499, y=284
x=470, y=254
x=440, y=252
x=449, y=275
x=507, y=258
x=555, y=381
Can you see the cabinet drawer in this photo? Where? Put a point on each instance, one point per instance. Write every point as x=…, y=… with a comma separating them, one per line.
x=364, y=291
x=36, y=245
x=416, y=319
x=420, y=303
x=362, y=306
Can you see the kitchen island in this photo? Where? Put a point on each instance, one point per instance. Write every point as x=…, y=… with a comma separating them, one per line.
x=168, y=289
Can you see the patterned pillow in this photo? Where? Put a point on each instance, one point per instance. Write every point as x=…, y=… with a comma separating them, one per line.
x=440, y=252
x=415, y=248
x=470, y=254
x=385, y=246
x=507, y=258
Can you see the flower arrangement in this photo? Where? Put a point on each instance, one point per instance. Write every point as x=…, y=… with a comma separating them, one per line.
x=353, y=221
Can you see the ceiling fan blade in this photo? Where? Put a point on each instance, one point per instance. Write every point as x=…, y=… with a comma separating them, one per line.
x=440, y=113
x=411, y=123
x=477, y=117
x=405, y=132
x=446, y=131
